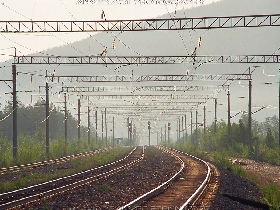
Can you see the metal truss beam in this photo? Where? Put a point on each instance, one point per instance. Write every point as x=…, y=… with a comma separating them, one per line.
x=140, y=97
x=138, y=60
x=140, y=88
x=148, y=78
x=140, y=24
x=151, y=114
x=147, y=108
x=147, y=104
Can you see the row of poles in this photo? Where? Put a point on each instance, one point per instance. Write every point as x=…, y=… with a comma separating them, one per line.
x=183, y=120
x=15, y=142
x=47, y=105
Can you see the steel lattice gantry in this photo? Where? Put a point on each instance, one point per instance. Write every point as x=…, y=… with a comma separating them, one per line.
x=148, y=78
x=146, y=108
x=141, y=24
x=143, y=97
x=138, y=60
x=146, y=104
x=140, y=88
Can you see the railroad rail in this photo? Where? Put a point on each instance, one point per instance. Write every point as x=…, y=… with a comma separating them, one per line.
x=44, y=190
x=201, y=196
x=18, y=168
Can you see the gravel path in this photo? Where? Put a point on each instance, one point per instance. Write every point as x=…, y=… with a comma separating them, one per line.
x=236, y=192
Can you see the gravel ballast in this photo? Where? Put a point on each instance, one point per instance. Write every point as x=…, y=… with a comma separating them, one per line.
x=236, y=192
x=118, y=190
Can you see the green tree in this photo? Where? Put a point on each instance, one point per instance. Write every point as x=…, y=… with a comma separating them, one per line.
x=269, y=139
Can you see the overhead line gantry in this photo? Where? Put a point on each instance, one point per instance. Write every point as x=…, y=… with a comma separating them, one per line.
x=145, y=59
x=143, y=97
x=160, y=88
x=148, y=78
x=214, y=22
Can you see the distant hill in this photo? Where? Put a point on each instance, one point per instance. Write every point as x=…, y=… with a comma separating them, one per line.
x=262, y=40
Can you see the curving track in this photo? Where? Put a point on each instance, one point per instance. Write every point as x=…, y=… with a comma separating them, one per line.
x=162, y=179
x=194, y=185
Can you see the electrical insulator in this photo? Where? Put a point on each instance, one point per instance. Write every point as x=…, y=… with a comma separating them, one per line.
x=169, y=126
x=114, y=44
x=102, y=14
x=199, y=41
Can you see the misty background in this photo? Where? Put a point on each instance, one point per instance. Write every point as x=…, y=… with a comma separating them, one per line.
x=236, y=41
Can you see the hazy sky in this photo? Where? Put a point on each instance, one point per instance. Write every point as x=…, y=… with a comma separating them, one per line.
x=71, y=10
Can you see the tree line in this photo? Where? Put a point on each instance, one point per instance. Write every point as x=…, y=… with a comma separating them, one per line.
x=263, y=145
x=31, y=121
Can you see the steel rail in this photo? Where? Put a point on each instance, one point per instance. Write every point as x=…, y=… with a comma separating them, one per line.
x=156, y=190
x=17, y=168
x=159, y=188
x=74, y=184
x=199, y=190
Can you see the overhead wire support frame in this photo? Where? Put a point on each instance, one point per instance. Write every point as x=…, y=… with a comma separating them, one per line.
x=150, y=59
x=31, y=26
x=154, y=78
x=140, y=88
x=153, y=97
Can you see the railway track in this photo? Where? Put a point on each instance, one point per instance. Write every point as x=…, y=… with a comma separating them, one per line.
x=192, y=187
x=44, y=190
x=192, y=184
x=19, y=168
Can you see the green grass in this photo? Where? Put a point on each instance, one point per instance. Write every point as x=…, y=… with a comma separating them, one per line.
x=102, y=188
x=77, y=165
x=272, y=196
x=32, y=149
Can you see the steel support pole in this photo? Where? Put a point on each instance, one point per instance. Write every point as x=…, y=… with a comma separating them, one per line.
x=149, y=129
x=177, y=130
x=106, y=134
x=47, y=118
x=183, y=132
x=250, y=114
x=130, y=133
x=186, y=131
x=161, y=134
x=196, y=131
x=15, y=139
x=229, y=123
x=204, y=120
x=215, y=111
x=89, y=130
x=179, y=133
x=191, y=128
x=66, y=116
x=79, y=119
x=278, y=109
x=157, y=138
x=102, y=127
x=113, y=131
x=169, y=127
x=96, y=137
x=128, y=128
x=165, y=134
